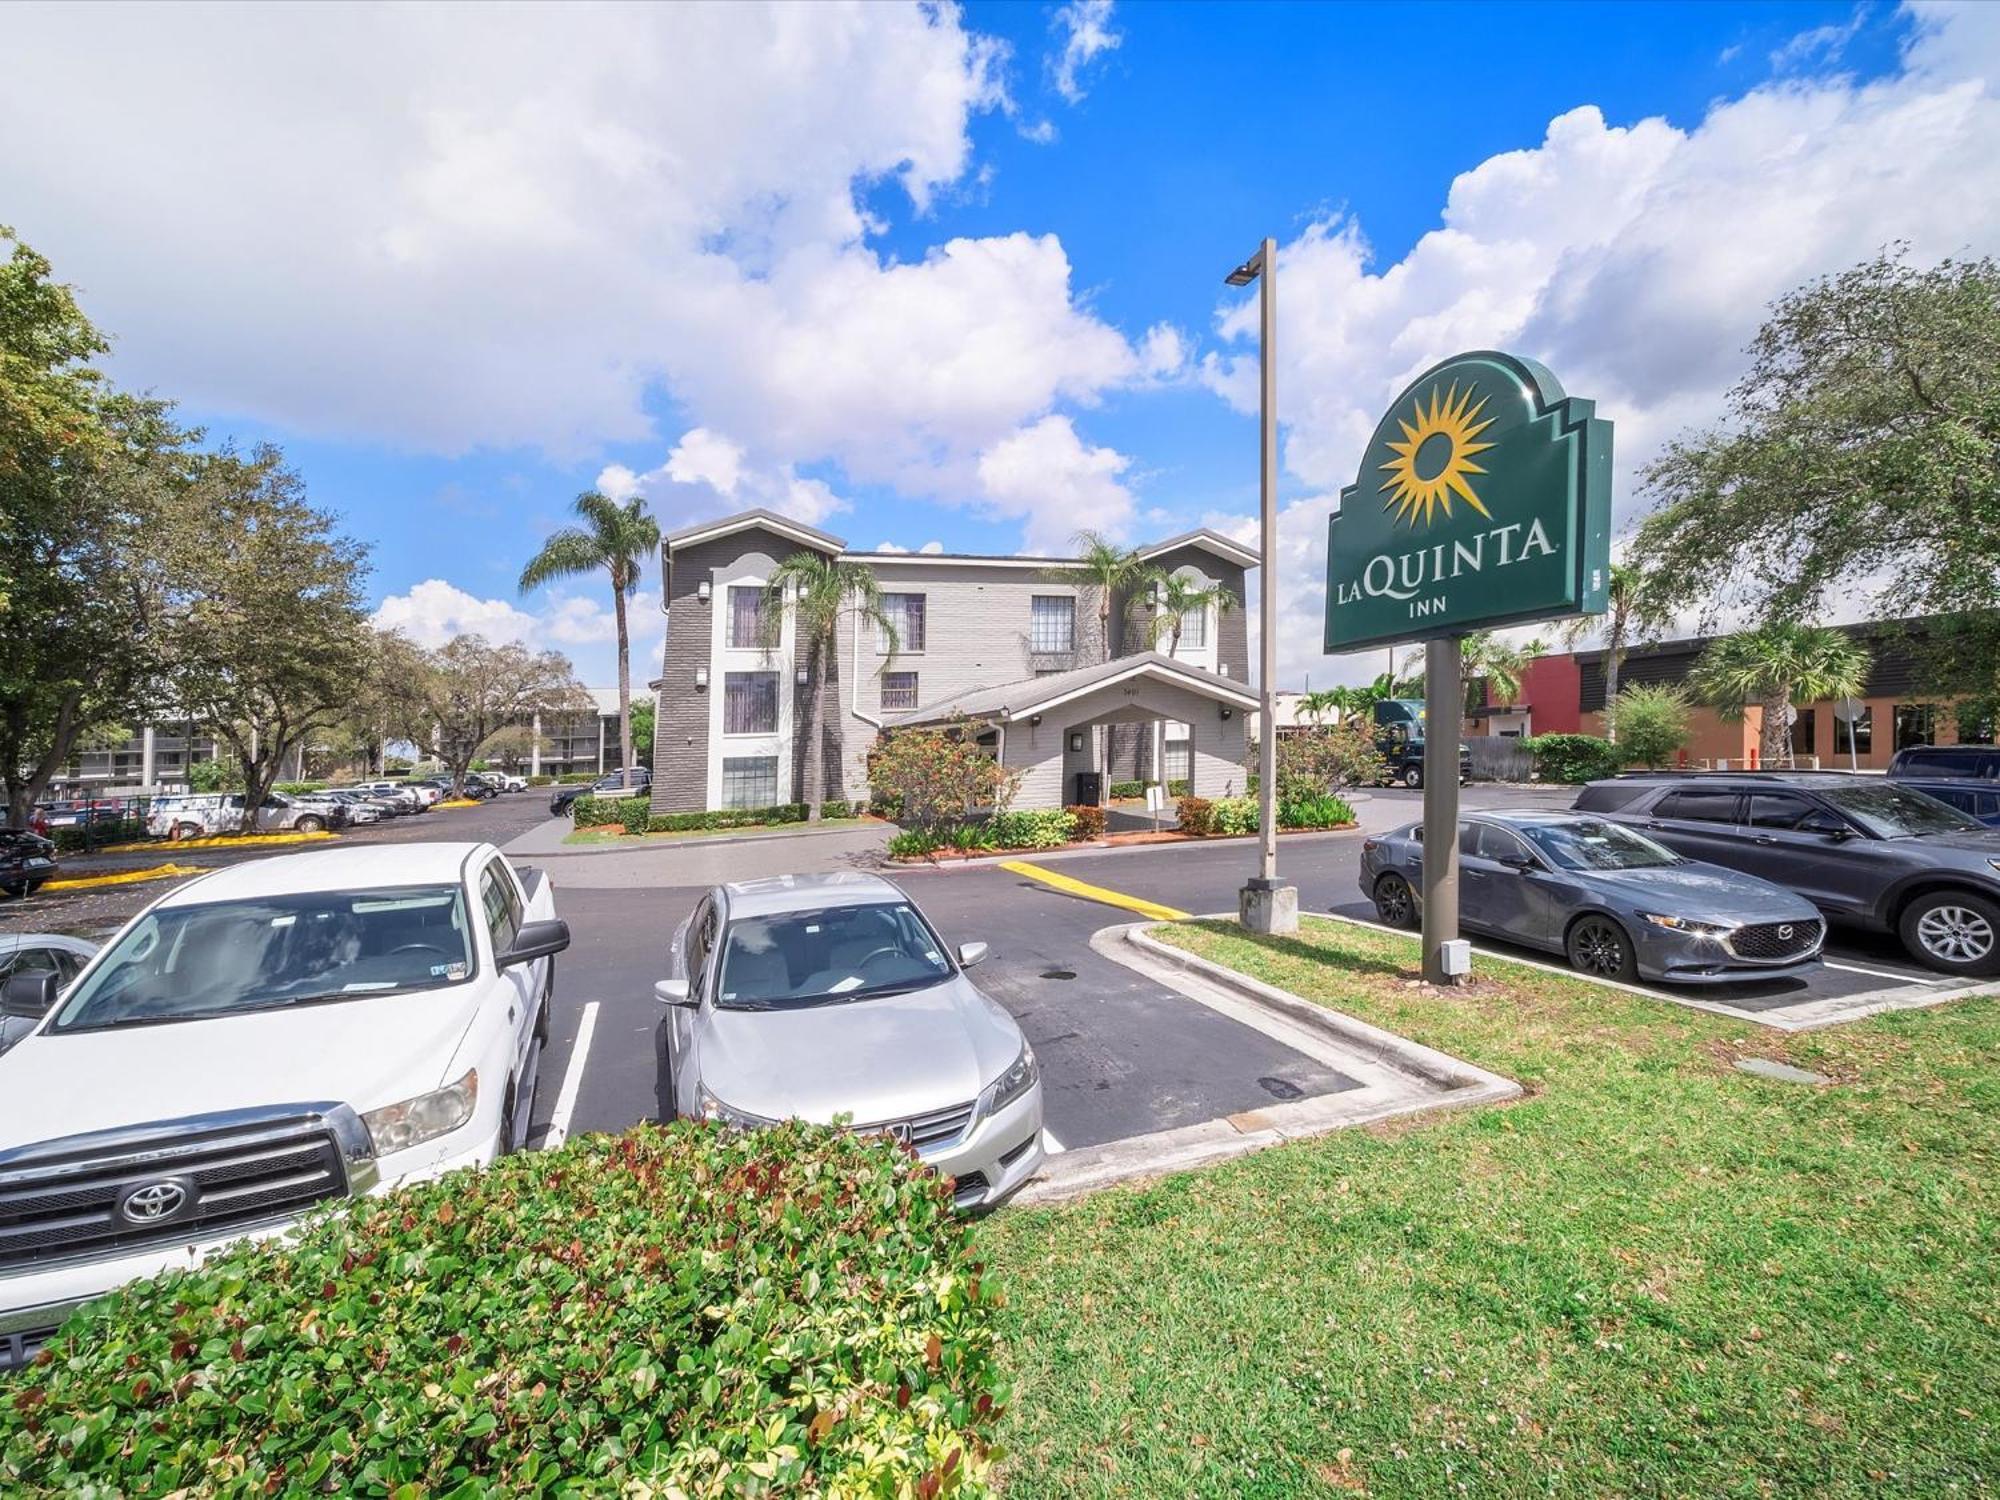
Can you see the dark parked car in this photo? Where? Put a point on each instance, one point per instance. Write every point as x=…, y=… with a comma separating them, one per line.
x=1874, y=853
x=616, y=784
x=26, y=860
x=1609, y=899
x=1966, y=777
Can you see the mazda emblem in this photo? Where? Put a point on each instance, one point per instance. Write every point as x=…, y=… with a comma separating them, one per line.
x=1785, y=931
x=154, y=1202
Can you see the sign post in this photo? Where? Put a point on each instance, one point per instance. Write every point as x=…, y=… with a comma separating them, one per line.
x=1483, y=500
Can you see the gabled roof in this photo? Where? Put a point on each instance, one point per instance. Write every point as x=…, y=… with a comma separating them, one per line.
x=1208, y=541
x=769, y=520
x=1033, y=695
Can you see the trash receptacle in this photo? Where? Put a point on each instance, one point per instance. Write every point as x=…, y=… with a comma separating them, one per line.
x=1089, y=789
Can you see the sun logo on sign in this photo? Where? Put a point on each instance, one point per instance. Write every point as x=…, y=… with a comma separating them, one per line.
x=1433, y=462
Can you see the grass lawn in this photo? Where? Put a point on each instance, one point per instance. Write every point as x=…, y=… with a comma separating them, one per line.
x=613, y=834
x=1655, y=1275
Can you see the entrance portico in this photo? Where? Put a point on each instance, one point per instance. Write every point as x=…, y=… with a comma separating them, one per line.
x=1053, y=729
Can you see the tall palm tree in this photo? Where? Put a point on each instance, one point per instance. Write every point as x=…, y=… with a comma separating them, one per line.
x=616, y=538
x=1316, y=706
x=1774, y=666
x=818, y=588
x=1107, y=570
x=1632, y=613
x=1175, y=598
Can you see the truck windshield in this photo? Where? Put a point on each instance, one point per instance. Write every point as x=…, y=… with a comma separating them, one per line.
x=191, y=963
x=800, y=958
x=1897, y=812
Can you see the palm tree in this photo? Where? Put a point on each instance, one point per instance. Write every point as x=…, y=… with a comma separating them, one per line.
x=1316, y=706
x=1175, y=597
x=1774, y=666
x=1632, y=610
x=1484, y=654
x=819, y=588
x=616, y=538
x=1107, y=570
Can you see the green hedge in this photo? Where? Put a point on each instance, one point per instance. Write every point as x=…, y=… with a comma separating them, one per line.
x=732, y=817
x=688, y=1310
x=1179, y=787
x=1043, y=828
x=300, y=788
x=1128, y=789
x=1573, y=758
x=636, y=815
x=1220, y=817
x=86, y=836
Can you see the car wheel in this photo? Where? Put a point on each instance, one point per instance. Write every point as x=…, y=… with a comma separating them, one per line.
x=1413, y=777
x=15, y=888
x=1395, y=902
x=185, y=831
x=312, y=825
x=1955, y=932
x=1597, y=946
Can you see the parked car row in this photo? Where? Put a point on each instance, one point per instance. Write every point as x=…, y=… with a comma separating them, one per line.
x=218, y=1069
x=26, y=861
x=1722, y=876
x=627, y=783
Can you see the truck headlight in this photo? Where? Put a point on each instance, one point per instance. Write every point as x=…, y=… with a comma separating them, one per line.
x=1689, y=926
x=398, y=1127
x=713, y=1108
x=1012, y=1084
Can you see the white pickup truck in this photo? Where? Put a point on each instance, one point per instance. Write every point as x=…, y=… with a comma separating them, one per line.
x=258, y=1041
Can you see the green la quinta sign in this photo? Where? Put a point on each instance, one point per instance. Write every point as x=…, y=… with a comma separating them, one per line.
x=1484, y=499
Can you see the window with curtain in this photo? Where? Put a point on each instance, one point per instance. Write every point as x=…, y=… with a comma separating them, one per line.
x=906, y=613
x=750, y=781
x=1052, y=623
x=899, y=690
x=750, y=703
x=746, y=615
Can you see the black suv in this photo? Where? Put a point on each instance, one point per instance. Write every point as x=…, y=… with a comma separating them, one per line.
x=614, y=784
x=1865, y=851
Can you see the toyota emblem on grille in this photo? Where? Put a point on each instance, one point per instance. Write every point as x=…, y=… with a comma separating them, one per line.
x=1785, y=931
x=154, y=1202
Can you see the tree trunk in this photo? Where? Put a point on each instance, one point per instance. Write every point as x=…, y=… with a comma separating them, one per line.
x=22, y=795
x=812, y=774
x=1614, y=650
x=624, y=681
x=1774, y=738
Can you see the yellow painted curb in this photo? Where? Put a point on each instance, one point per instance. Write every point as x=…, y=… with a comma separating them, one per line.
x=454, y=802
x=1090, y=892
x=225, y=841
x=129, y=877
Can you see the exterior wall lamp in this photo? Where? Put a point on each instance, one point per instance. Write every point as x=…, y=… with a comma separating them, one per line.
x=701, y=677
x=1034, y=720
x=1227, y=710
x=702, y=591
x=800, y=676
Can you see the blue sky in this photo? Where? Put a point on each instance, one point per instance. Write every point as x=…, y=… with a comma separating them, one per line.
x=945, y=276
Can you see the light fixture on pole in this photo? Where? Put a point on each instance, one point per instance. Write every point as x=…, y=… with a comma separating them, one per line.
x=1263, y=904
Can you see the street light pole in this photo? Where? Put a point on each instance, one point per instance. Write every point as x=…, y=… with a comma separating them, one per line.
x=1263, y=904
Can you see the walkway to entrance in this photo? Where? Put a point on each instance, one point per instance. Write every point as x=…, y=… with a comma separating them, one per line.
x=1055, y=731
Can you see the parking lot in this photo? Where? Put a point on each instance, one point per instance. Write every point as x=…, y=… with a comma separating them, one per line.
x=1122, y=1055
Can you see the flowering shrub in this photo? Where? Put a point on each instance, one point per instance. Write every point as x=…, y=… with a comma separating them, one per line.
x=935, y=777
x=678, y=1311
x=1196, y=816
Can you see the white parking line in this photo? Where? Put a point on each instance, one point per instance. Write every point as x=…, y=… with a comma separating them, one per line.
x=1884, y=973
x=1050, y=1144
x=572, y=1080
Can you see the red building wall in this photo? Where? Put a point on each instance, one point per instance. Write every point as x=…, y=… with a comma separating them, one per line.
x=1552, y=688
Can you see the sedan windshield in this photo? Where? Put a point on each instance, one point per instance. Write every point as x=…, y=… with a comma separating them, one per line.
x=800, y=958
x=1586, y=844
x=188, y=963
x=1897, y=812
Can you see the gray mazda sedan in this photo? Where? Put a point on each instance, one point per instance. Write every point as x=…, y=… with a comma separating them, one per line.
x=818, y=996
x=1612, y=901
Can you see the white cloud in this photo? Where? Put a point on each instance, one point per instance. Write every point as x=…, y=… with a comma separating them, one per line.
x=579, y=625
x=705, y=474
x=432, y=612
x=931, y=549
x=1820, y=45
x=1056, y=485
x=1635, y=260
x=1085, y=29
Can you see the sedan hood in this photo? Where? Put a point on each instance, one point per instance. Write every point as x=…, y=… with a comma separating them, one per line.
x=364, y=1053
x=874, y=1060
x=1705, y=891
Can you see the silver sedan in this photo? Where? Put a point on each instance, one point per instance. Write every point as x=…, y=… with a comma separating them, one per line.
x=828, y=996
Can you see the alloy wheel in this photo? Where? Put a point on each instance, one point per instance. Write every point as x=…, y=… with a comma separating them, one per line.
x=1394, y=902
x=1598, y=948
x=1956, y=934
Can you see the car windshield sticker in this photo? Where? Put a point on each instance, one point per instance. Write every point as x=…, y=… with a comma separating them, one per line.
x=448, y=971
x=843, y=985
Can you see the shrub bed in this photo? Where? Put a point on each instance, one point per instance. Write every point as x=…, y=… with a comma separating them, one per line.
x=1124, y=789
x=1043, y=828
x=1196, y=816
x=1202, y=817
x=684, y=1310
x=1086, y=822
x=1573, y=758
x=729, y=817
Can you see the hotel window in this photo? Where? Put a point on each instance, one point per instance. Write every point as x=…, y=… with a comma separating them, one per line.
x=1194, y=630
x=1857, y=738
x=750, y=703
x=1053, y=623
x=899, y=690
x=750, y=781
x=1913, y=724
x=906, y=613
x=746, y=615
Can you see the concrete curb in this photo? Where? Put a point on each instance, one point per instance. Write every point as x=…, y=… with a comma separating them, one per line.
x=1101, y=851
x=704, y=841
x=1395, y=1076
